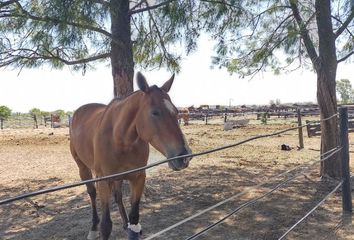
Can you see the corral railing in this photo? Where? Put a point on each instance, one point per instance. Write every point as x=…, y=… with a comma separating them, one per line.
x=314, y=127
x=288, y=175
x=23, y=120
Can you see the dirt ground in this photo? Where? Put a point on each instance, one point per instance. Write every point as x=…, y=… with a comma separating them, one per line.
x=33, y=159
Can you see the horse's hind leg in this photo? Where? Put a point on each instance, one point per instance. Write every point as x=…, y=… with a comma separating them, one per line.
x=85, y=174
x=137, y=188
x=117, y=191
x=93, y=234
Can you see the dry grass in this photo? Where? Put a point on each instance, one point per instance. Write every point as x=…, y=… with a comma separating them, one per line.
x=36, y=159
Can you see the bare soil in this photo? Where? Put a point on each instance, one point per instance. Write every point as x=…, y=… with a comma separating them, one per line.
x=33, y=159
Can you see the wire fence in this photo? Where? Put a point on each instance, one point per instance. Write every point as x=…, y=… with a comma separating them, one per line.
x=255, y=200
x=249, y=189
x=23, y=120
x=324, y=157
x=76, y=184
x=311, y=211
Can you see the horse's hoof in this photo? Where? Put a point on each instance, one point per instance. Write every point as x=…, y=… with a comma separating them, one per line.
x=134, y=231
x=93, y=235
x=132, y=235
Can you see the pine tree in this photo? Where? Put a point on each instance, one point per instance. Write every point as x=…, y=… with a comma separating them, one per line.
x=283, y=35
x=82, y=32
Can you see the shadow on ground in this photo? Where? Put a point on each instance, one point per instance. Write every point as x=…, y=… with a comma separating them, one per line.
x=173, y=196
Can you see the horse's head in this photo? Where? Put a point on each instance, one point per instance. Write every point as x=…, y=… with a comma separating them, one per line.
x=157, y=123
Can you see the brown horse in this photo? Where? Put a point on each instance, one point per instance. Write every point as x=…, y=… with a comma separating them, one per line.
x=183, y=113
x=107, y=139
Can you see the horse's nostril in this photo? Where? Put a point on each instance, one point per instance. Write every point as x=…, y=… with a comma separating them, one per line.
x=187, y=159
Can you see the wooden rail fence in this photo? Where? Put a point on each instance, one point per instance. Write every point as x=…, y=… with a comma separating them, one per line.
x=314, y=127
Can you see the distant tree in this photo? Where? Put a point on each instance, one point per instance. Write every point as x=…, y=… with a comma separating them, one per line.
x=264, y=118
x=345, y=90
x=275, y=102
x=59, y=112
x=35, y=112
x=45, y=113
x=5, y=112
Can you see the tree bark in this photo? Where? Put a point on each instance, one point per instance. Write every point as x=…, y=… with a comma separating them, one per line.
x=326, y=87
x=121, y=49
x=329, y=129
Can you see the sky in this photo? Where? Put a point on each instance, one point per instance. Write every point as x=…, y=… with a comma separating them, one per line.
x=196, y=84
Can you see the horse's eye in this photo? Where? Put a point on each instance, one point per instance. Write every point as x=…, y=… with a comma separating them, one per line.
x=155, y=113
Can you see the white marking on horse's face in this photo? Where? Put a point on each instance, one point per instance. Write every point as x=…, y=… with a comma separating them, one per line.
x=169, y=106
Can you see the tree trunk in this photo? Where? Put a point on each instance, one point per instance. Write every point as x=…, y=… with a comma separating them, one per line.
x=326, y=96
x=121, y=48
x=326, y=87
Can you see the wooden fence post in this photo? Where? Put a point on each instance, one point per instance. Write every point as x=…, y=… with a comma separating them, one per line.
x=225, y=117
x=206, y=117
x=299, y=124
x=51, y=121
x=1, y=123
x=35, y=121
x=69, y=120
x=344, y=154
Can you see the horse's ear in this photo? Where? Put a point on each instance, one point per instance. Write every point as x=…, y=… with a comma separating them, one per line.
x=142, y=83
x=167, y=85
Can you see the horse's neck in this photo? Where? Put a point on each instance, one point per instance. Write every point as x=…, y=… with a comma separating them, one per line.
x=121, y=120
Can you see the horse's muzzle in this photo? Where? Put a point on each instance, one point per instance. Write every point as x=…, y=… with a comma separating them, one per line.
x=180, y=163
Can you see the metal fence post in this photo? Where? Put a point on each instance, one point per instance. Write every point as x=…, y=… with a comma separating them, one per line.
x=346, y=189
x=299, y=124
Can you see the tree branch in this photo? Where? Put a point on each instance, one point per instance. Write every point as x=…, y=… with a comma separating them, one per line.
x=4, y=4
x=56, y=20
x=305, y=35
x=345, y=57
x=104, y=3
x=157, y=30
x=338, y=20
x=221, y=2
x=345, y=24
x=35, y=55
x=136, y=6
x=148, y=8
x=83, y=60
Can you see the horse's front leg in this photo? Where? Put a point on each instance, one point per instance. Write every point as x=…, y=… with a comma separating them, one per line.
x=105, y=192
x=137, y=188
x=117, y=191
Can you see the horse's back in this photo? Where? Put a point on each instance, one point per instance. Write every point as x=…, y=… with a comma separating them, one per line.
x=87, y=113
x=83, y=127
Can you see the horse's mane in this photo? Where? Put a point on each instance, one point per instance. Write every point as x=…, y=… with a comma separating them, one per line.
x=118, y=99
x=115, y=99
